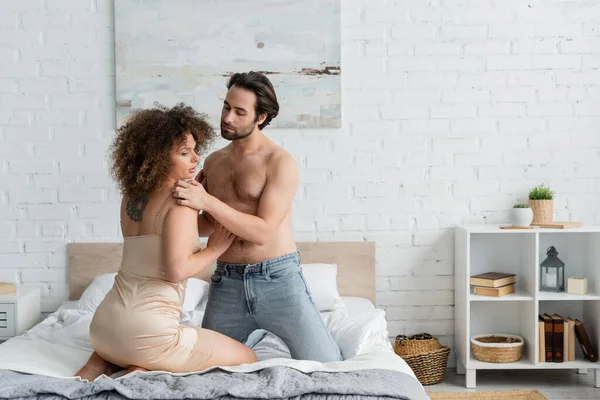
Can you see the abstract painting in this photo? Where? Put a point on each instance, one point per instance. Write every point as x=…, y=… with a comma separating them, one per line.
x=171, y=51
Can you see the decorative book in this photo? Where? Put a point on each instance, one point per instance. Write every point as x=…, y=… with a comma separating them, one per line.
x=548, y=338
x=571, y=329
x=558, y=333
x=7, y=287
x=493, y=291
x=541, y=339
x=492, y=279
x=584, y=341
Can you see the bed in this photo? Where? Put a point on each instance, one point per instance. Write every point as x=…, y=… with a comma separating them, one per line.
x=41, y=362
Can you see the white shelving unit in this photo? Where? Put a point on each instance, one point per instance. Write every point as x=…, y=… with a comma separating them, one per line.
x=485, y=248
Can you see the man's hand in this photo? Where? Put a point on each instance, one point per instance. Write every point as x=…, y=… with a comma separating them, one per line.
x=191, y=194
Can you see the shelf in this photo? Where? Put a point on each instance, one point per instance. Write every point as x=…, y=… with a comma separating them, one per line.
x=485, y=248
x=551, y=296
x=526, y=364
x=568, y=365
x=521, y=364
x=581, y=229
x=517, y=296
x=495, y=228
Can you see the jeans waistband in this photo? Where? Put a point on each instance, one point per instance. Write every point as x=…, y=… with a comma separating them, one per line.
x=260, y=267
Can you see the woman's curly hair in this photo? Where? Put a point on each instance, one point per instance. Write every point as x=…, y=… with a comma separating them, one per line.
x=141, y=149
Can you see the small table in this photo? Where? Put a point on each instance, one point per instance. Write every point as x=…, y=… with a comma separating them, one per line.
x=19, y=311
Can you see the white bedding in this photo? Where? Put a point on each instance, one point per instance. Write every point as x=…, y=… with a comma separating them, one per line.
x=59, y=345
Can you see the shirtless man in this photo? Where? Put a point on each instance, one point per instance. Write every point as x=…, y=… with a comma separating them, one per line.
x=248, y=187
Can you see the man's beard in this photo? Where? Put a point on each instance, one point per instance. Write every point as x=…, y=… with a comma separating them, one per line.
x=237, y=134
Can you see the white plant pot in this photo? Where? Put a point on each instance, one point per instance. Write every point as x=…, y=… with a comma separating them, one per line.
x=521, y=216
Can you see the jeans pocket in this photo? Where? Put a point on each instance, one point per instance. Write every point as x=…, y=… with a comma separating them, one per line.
x=217, y=278
x=306, y=288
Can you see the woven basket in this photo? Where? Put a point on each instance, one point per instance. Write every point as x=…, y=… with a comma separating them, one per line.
x=425, y=356
x=416, y=344
x=430, y=368
x=543, y=211
x=497, y=348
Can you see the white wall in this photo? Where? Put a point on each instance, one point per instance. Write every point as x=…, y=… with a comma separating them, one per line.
x=452, y=110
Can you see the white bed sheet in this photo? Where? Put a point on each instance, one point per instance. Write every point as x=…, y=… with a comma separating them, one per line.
x=59, y=345
x=69, y=325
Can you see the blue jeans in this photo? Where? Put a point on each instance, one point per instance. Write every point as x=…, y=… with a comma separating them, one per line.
x=270, y=295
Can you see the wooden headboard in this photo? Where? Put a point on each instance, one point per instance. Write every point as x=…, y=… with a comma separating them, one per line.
x=355, y=261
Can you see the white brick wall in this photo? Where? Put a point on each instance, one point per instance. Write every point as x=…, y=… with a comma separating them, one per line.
x=453, y=109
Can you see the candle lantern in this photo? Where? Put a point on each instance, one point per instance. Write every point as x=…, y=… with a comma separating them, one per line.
x=552, y=272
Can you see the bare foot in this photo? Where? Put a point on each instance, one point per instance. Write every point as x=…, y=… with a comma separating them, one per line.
x=94, y=367
x=135, y=368
x=112, y=368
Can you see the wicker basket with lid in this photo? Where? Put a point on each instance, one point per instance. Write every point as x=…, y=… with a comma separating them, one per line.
x=424, y=355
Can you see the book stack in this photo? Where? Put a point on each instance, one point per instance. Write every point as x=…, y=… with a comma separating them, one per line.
x=493, y=284
x=7, y=288
x=557, y=339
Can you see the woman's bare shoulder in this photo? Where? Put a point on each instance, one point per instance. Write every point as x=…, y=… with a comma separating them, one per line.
x=178, y=212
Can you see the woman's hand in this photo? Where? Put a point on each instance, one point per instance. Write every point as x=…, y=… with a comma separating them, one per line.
x=220, y=240
x=191, y=194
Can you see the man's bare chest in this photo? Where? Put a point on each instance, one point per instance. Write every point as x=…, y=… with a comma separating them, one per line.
x=237, y=184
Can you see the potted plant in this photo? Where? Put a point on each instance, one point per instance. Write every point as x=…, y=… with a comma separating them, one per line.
x=521, y=215
x=541, y=200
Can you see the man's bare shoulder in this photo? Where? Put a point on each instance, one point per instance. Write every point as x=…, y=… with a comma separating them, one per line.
x=214, y=157
x=275, y=153
x=280, y=159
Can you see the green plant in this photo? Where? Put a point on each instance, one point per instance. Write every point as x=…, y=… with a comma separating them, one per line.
x=541, y=192
x=521, y=205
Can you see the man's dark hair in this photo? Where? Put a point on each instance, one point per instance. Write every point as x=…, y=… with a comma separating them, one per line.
x=259, y=84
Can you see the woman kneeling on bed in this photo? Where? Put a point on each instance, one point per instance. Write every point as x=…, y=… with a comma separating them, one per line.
x=137, y=324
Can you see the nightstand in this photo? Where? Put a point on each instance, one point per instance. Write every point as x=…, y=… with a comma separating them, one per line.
x=19, y=312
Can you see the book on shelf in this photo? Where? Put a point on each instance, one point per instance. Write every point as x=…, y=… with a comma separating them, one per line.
x=541, y=341
x=492, y=279
x=584, y=341
x=492, y=291
x=557, y=335
x=566, y=353
x=548, y=338
x=571, y=329
x=7, y=288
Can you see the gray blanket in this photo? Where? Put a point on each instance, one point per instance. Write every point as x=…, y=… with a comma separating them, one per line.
x=269, y=383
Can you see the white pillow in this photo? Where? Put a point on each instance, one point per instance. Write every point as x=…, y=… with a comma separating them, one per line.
x=321, y=280
x=357, y=305
x=97, y=290
x=196, y=290
x=94, y=294
x=355, y=334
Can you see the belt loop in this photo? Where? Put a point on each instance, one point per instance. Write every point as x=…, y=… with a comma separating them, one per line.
x=299, y=257
x=226, y=271
x=266, y=270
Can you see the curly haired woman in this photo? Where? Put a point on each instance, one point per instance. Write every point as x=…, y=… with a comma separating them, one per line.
x=137, y=324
